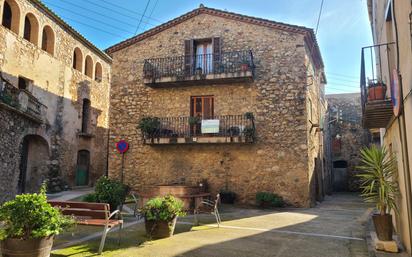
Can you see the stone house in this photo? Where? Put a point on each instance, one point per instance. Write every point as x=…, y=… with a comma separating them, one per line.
x=236, y=101
x=347, y=137
x=54, y=101
x=388, y=113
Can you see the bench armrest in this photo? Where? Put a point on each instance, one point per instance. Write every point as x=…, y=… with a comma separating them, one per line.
x=114, y=213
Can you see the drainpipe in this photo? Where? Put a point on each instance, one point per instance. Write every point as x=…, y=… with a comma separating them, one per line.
x=403, y=135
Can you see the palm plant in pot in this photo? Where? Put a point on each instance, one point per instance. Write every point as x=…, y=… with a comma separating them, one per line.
x=28, y=225
x=379, y=186
x=160, y=216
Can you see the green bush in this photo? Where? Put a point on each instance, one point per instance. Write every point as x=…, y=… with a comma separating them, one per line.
x=108, y=191
x=31, y=216
x=267, y=199
x=163, y=208
x=149, y=125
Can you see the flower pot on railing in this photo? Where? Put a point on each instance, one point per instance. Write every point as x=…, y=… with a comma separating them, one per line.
x=376, y=91
x=244, y=67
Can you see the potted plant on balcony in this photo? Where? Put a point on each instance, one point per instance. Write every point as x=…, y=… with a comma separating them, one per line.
x=28, y=225
x=378, y=184
x=160, y=216
x=376, y=90
x=149, y=126
x=193, y=123
x=198, y=71
x=244, y=64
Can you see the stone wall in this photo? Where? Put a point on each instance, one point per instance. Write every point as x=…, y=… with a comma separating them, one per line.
x=347, y=134
x=277, y=162
x=14, y=127
x=60, y=88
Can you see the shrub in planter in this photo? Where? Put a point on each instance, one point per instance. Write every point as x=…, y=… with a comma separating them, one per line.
x=378, y=184
x=267, y=199
x=149, y=126
x=227, y=197
x=28, y=224
x=160, y=215
x=249, y=133
x=108, y=191
x=376, y=91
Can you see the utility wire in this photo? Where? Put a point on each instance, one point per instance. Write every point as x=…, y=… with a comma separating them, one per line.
x=150, y=15
x=95, y=12
x=320, y=13
x=141, y=18
x=131, y=11
x=115, y=11
x=90, y=26
x=88, y=17
x=341, y=75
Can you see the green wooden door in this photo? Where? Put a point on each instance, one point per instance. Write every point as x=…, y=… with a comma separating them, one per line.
x=82, y=170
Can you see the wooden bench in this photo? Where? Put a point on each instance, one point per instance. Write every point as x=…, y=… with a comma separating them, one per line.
x=91, y=214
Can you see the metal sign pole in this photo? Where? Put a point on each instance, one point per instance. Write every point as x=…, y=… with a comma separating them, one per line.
x=122, y=176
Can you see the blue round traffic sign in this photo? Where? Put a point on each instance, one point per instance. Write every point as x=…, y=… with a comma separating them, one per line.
x=122, y=146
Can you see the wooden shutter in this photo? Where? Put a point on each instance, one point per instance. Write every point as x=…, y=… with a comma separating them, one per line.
x=189, y=53
x=217, y=52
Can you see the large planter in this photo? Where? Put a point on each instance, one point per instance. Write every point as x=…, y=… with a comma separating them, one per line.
x=376, y=92
x=39, y=247
x=157, y=229
x=383, y=226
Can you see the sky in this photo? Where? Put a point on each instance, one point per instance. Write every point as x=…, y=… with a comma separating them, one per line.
x=343, y=30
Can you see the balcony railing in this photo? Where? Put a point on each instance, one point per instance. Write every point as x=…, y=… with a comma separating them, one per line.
x=375, y=79
x=234, y=66
x=22, y=100
x=216, y=129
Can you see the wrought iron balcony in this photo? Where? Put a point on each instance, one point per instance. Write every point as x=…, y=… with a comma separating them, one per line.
x=227, y=67
x=375, y=79
x=22, y=101
x=195, y=130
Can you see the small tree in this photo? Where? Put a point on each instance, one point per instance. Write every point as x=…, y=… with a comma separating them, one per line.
x=378, y=178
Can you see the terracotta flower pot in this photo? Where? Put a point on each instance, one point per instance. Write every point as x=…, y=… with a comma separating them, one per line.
x=376, y=92
x=39, y=247
x=383, y=226
x=157, y=229
x=244, y=67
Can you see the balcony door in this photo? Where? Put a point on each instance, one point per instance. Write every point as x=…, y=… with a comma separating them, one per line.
x=204, y=57
x=202, y=107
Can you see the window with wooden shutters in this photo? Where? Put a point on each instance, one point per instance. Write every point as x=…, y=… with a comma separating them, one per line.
x=217, y=53
x=189, y=53
x=202, y=54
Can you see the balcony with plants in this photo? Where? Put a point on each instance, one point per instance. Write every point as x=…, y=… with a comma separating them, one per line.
x=198, y=130
x=21, y=101
x=375, y=77
x=226, y=67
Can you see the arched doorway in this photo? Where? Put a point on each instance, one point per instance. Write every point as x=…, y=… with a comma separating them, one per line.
x=82, y=169
x=340, y=175
x=33, y=164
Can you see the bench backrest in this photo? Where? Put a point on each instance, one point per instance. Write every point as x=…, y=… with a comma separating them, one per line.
x=82, y=209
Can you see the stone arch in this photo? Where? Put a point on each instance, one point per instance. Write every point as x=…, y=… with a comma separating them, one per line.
x=11, y=16
x=88, y=66
x=78, y=59
x=34, y=168
x=98, y=72
x=31, y=28
x=47, y=43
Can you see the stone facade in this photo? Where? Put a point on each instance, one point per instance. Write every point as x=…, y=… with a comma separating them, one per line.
x=43, y=56
x=282, y=159
x=347, y=139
